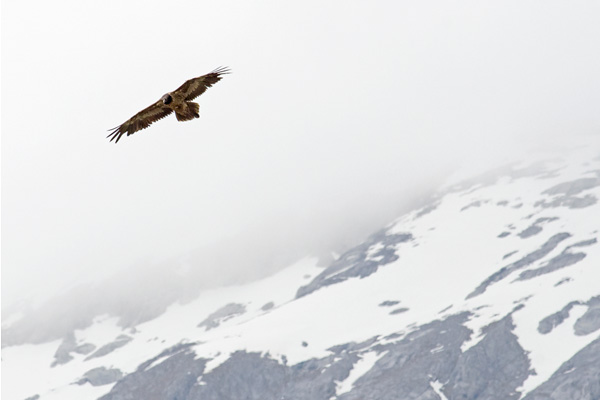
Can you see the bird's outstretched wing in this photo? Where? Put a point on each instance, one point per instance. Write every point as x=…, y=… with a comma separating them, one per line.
x=196, y=86
x=140, y=121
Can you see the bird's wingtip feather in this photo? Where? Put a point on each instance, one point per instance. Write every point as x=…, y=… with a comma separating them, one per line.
x=222, y=70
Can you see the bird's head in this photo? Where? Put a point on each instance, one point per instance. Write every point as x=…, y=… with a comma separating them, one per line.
x=167, y=99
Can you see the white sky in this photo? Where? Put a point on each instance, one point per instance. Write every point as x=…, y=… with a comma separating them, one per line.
x=335, y=113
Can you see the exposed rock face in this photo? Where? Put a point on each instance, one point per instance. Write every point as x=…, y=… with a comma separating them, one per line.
x=590, y=321
x=535, y=228
x=552, y=321
x=252, y=376
x=120, y=341
x=100, y=376
x=573, y=188
x=222, y=314
x=242, y=376
x=398, y=311
x=361, y=261
x=492, y=369
x=172, y=378
x=68, y=346
x=563, y=260
x=406, y=369
x=522, y=263
x=389, y=303
x=565, y=194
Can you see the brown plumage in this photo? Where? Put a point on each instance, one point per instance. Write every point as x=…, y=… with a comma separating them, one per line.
x=178, y=101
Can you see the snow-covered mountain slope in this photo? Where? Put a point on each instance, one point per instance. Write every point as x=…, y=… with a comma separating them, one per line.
x=491, y=291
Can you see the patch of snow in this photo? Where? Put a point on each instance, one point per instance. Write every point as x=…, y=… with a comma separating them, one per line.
x=437, y=388
x=437, y=349
x=76, y=392
x=371, y=251
x=215, y=360
x=361, y=367
x=158, y=361
x=103, y=330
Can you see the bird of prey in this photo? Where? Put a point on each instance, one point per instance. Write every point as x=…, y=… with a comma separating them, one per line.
x=178, y=100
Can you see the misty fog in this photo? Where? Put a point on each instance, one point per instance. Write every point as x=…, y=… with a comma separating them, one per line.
x=337, y=118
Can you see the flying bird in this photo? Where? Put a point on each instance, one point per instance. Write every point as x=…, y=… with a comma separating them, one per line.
x=178, y=100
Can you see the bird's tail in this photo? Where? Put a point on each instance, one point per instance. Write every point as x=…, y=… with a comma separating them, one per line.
x=191, y=112
x=194, y=108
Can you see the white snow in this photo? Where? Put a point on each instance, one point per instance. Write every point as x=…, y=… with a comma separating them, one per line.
x=26, y=372
x=373, y=250
x=437, y=388
x=363, y=365
x=103, y=328
x=158, y=361
x=437, y=349
x=20, y=363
